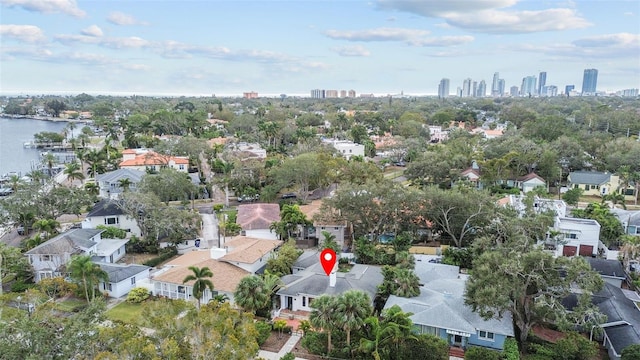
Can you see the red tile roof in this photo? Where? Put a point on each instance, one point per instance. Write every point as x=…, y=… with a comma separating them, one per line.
x=152, y=158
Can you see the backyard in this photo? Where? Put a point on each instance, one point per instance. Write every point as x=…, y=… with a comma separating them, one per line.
x=125, y=312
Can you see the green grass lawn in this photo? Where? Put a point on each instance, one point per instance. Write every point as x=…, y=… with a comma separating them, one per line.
x=8, y=313
x=126, y=312
x=70, y=305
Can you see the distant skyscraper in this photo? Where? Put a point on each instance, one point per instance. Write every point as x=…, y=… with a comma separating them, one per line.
x=443, y=88
x=568, y=89
x=542, y=82
x=495, y=87
x=501, y=87
x=482, y=89
x=466, y=88
x=589, y=81
x=513, y=91
x=317, y=94
x=549, y=90
x=351, y=93
x=474, y=89
x=528, y=87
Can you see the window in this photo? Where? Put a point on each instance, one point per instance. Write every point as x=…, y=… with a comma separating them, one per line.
x=570, y=236
x=304, y=301
x=485, y=335
x=181, y=167
x=110, y=221
x=133, y=280
x=586, y=187
x=118, y=251
x=181, y=289
x=45, y=258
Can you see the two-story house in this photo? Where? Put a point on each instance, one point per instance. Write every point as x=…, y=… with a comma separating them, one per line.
x=110, y=183
x=49, y=258
x=593, y=182
x=147, y=160
x=107, y=212
x=576, y=237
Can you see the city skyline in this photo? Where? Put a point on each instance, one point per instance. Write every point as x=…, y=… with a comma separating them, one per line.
x=272, y=47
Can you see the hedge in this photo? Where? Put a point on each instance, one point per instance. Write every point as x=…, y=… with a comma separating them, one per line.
x=162, y=257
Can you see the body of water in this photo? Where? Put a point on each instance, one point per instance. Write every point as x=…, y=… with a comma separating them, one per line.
x=14, y=157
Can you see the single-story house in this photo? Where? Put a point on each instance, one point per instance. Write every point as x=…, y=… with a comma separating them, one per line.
x=122, y=278
x=529, y=182
x=147, y=160
x=472, y=174
x=169, y=280
x=629, y=219
x=109, y=183
x=249, y=254
x=256, y=219
x=611, y=271
x=440, y=310
x=107, y=212
x=593, y=182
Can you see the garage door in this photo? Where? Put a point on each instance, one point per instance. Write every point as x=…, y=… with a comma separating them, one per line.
x=569, y=250
x=586, y=250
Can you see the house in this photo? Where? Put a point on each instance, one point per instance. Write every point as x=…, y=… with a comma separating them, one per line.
x=122, y=278
x=109, y=183
x=302, y=287
x=577, y=237
x=629, y=219
x=107, y=212
x=440, y=310
x=249, y=254
x=49, y=258
x=593, y=182
x=255, y=220
x=346, y=148
x=529, y=182
x=611, y=271
x=540, y=205
x=622, y=327
x=472, y=174
x=325, y=222
x=147, y=160
x=168, y=281
x=248, y=151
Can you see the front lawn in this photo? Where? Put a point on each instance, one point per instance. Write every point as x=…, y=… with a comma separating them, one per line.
x=70, y=305
x=125, y=312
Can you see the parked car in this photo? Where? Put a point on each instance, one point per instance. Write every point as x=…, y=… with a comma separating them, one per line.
x=21, y=230
x=248, y=198
x=289, y=196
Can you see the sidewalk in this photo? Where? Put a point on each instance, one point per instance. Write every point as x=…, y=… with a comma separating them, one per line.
x=288, y=346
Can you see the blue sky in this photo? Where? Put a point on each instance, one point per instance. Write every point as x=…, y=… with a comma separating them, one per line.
x=272, y=47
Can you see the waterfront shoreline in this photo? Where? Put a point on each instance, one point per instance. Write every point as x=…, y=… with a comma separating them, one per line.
x=42, y=118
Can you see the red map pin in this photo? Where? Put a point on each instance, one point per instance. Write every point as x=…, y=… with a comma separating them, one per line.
x=328, y=260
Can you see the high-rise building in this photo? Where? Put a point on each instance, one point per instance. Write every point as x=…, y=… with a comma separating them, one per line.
x=589, y=81
x=495, y=87
x=568, y=89
x=513, y=91
x=331, y=93
x=528, y=87
x=501, y=87
x=474, y=89
x=317, y=94
x=629, y=92
x=549, y=90
x=343, y=93
x=482, y=89
x=250, y=95
x=351, y=93
x=466, y=87
x=443, y=88
x=542, y=82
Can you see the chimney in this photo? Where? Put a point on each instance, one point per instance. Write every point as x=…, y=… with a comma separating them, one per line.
x=333, y=275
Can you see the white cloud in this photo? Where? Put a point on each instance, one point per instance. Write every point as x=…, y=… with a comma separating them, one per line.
x=136, y=67
x=599, y=46
x=443, y=41
x=119, y=18
x=68, y=7
x=110, y=42
x=379, y=34
x=26, y=33
x=92, y=30
x=491, y=16
x=351, y=51
x=628, y=13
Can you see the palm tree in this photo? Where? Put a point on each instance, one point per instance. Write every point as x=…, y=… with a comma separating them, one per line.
x=353, y=307
x=92, y=188
x=48, y=226
x=50, y=160
x=74, y=172
x=615, y=198
x=125, y=184
x=15, y=182
x=33, y=242
x=95, y=160
x=251, y=294
x=36, y=176
x=272, y=283
x=378, y=335
x=86, y=272
x=408, y=283
x=200, y=275
x=323, y=316
x=26, y=220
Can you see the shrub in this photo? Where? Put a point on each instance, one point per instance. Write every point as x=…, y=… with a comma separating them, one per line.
x=138, y=295
x=304, y=326
x=56, y=287
x=575, y=347
x=511, y=350
x=631, y=352
x=165, y=255
x=288, y=356
x=315, y=342
x=20, y=286
x=264, y=330
x=480, y=353
x=218, y=207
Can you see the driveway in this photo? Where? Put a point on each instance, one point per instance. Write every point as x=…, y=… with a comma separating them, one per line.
x=209, y=230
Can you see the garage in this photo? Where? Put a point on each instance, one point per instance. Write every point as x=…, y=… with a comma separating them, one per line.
x=568, y=250
x=586, y=250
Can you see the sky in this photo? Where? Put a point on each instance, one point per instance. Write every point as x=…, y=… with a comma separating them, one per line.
x=225, y=48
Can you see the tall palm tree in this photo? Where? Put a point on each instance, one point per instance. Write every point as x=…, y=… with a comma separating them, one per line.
x=26, y=220
x=202, y=283
x=86, y=272
x=15, y=182
x=95, y=159
x=36, y=176
x=49, y=160
x=74, y=172
x=408, y=283
x=378, y=335
x=353, y=308
x=125, y=184
x=323, y=316
x=48, y=226
x=251, y=294
x=272, y=283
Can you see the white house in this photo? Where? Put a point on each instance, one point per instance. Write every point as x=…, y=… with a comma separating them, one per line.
x=577, y=236
x=107, y=212
x=49, y=258
x=169, y=280
x=255, y=220
x=539, y=205
x=249, y=254
x=346, y=148
x=144, y=159
x=122, y=278
x=109, y=183
x=529, y=182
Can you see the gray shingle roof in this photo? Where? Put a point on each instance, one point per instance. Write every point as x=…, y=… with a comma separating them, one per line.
x=617, y=307
x=604, y=267
x=105, y=207
x=114, y=176
x=70, y=242
x=118, y=273
x=631, y=217
x=589, y=177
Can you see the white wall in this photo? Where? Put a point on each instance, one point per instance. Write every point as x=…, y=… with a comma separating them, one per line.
x=171, y=291
x=123, y=222
x=123, y=287
x=262, y=234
